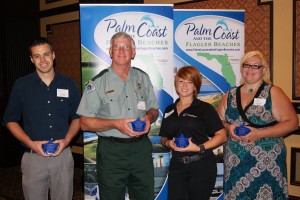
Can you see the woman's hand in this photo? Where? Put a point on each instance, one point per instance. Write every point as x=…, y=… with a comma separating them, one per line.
x=230, y=129
x=252, y=136
x=192, y=147
x=171, y=144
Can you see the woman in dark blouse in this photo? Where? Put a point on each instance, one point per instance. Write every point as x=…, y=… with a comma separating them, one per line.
x=192, y=170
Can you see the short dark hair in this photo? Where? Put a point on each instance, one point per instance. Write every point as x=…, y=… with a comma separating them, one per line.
x=39, y=41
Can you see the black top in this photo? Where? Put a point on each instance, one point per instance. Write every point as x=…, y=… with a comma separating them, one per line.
x=43, y=111
x=199, y=121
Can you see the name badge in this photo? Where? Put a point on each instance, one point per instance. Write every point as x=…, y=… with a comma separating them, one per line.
x=259, y=102
x=62, y=93
x=141, y=105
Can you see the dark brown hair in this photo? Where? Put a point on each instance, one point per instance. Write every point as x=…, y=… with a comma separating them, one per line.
x=39, y=41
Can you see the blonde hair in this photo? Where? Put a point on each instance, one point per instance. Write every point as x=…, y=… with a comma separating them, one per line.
x=260, y=55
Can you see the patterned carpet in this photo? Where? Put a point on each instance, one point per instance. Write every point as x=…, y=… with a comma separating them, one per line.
x=11, y=183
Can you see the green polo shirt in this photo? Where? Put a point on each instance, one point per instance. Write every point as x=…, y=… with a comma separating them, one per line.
x=107, y=96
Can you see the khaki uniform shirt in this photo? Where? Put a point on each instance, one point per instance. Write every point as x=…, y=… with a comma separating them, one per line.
x=107, y=96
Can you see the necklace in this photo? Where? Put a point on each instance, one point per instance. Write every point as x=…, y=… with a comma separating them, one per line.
x=250, y=90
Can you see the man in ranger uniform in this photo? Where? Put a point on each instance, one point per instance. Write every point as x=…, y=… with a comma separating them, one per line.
x=112, y=100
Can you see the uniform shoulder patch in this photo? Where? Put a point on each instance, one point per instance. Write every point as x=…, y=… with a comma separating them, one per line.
x=89, y=87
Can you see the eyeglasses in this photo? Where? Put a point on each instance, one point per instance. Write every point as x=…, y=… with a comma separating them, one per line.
x=119, y=47
x=252, y=66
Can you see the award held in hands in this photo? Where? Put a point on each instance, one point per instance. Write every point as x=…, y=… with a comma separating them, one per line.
x=138, y=125
x=50, y=147
x=181, y=141
x=241, y=130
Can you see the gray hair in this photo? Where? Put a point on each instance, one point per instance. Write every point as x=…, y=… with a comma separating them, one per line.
x=122, y=35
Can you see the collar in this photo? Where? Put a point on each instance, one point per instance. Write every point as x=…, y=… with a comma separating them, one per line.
x=55, y=78
x=113, y=75
x=194, y=102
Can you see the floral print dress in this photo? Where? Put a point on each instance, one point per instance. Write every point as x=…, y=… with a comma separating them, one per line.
x=254, y=171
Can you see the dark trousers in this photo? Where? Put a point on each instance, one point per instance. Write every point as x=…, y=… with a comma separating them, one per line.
x=192, y=181
x=121, y=165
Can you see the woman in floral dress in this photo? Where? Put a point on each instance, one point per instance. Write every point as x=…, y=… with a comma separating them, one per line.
x=255, y=164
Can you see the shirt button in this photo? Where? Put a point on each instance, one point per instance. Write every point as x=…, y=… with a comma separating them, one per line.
x=49, y=114
x=48, y=101
x=126, y=96
x=128, y=108
x=50, y=126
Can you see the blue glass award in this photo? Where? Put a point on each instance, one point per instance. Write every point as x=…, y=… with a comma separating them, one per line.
x=50, y=147
x=241, y=130
x=181, y=141
x=138, y=125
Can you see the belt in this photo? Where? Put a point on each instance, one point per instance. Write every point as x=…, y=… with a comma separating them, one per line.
x=28, y=150
x=189, y=159
x=31, y=151
x=123, y=140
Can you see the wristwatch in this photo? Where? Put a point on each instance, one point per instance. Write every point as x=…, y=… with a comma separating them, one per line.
x=202, y=149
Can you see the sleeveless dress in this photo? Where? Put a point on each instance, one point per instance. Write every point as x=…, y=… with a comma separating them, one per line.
x=254, y=171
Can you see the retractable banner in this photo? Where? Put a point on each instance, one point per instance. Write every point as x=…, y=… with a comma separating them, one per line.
x=213, y=42
x=151, y=27
x=166, y=39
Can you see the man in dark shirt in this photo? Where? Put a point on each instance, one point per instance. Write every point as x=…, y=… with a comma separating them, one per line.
x=42, y=106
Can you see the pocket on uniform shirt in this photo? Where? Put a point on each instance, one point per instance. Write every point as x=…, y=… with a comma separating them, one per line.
x=141, y=103
x=141, y=95
x=111, y=106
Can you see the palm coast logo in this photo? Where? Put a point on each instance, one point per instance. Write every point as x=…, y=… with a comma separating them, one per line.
x=222, y=23
x=149, y=19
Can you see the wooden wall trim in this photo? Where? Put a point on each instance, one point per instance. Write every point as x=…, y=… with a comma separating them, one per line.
x=59, y=10
x=296, y=51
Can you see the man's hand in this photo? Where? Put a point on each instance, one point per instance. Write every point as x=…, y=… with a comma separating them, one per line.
x=36, y=146
x=123, y=126
x=62, y=144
